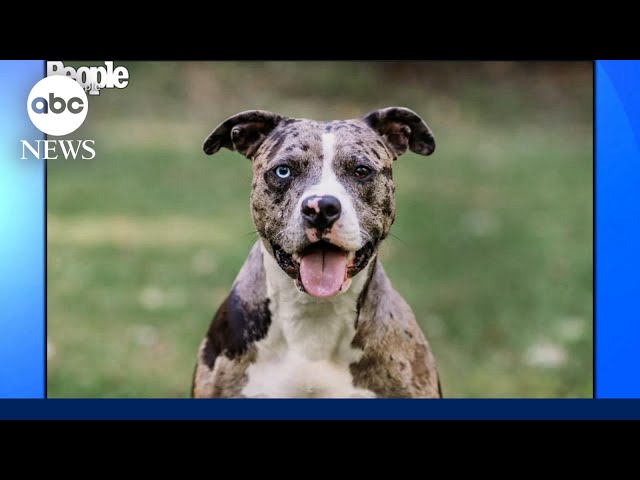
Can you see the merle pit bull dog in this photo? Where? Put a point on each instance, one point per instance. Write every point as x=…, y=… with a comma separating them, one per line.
x=312, y=313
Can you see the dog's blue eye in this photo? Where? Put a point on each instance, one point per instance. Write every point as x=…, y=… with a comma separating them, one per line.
x=283, y=171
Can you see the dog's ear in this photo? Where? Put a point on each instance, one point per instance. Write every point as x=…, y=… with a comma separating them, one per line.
x=402, y=128
x=244, y=132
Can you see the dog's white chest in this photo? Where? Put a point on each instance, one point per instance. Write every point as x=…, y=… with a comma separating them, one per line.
x=307, y=351
x=292, y=375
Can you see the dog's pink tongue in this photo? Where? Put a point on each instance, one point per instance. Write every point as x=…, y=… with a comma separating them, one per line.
x=323, y=272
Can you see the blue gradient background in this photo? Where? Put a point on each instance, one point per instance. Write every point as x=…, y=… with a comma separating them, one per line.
x=22, y=368
x=617, y=210
x=617, y=229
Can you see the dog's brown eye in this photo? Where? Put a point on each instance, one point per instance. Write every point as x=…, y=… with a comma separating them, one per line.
x=361, y=172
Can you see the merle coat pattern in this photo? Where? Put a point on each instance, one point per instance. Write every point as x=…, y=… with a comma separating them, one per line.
x=376, y=348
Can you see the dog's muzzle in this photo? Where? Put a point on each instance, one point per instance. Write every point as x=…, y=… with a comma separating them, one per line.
x=324, y=265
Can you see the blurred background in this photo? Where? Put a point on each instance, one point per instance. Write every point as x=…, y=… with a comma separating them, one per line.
x=493, y=235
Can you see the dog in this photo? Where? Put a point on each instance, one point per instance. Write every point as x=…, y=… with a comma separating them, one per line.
x=312, y=313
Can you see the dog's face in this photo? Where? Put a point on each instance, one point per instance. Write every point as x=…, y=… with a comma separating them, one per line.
x=323, y=194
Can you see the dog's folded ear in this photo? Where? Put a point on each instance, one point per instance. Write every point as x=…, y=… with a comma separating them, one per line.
x=244, y=132
x=402, y=128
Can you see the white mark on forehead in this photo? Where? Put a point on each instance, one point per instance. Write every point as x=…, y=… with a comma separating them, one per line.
x=328, y=143
x=346, y=232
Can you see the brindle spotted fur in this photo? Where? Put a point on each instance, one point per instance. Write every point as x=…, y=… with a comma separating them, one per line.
x=397, y=360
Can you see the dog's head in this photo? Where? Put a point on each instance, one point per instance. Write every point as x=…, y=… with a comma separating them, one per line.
x=323, y=194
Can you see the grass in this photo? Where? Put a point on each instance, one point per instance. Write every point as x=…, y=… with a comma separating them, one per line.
x=493, y=235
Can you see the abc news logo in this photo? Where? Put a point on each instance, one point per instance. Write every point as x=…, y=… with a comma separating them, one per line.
x=57, y=105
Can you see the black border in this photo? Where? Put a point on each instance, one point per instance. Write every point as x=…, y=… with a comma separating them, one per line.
x=46, y=263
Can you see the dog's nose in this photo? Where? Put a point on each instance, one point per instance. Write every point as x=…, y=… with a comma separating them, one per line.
x=321, y=212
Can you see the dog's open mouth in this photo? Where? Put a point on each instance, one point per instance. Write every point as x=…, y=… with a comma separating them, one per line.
x=323, y=269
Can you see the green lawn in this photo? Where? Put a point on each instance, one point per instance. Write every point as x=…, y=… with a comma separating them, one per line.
x=493, y=235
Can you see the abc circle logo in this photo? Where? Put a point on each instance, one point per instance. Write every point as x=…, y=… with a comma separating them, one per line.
x=57, y=105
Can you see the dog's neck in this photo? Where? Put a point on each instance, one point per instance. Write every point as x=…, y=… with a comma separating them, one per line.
x=308, y=350
x=316, y=328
